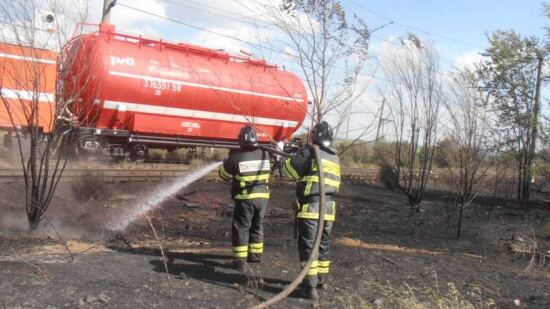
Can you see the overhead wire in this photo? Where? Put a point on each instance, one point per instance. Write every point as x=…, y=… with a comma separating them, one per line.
x=397, y=23
x=255, y=21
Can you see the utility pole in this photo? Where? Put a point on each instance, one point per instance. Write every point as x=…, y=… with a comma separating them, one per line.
x=347, y=127
x=107, y=6
x=534, y=129
x=380, y=120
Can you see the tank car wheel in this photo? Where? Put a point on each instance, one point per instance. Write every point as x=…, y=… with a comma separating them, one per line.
x=138, y=152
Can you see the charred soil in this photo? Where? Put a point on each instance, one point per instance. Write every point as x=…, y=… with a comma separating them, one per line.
x=383, y=255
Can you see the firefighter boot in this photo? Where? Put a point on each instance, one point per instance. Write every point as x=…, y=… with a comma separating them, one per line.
x=309, y=293
x=322, y=282
x=308, y=287
x=240, y=265
x=254, y=258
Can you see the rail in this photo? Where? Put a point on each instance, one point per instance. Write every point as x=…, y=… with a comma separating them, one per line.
x=144, y=172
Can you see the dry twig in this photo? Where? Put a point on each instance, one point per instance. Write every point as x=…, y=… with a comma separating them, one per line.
x=163, y=255
x=71, y=254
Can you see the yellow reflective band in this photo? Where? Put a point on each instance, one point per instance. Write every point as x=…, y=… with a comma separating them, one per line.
x=322, y=270
x=240, y=249
x=290, y=170
x=305, y=214
x=324, y=263
x=328, y=167
x=256, y=248
x=323, y=267
x=253, y=177
x=259, y=245
x=245, y=179
x=328, y=181
x=224, y=174
x=247, y=196
x=315, y=216
x=312, y=269
x=240, y=254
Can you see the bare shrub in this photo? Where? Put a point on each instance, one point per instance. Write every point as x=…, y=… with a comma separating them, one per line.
x=91, y=186
x=388, y=176
x=414, y=110
x=528, y=248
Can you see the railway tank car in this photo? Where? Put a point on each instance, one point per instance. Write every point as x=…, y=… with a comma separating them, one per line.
x=132, y=93
x=27, y=85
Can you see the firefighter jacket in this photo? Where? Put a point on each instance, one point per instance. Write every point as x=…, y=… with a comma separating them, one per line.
x=303, y=169
x=249, y=170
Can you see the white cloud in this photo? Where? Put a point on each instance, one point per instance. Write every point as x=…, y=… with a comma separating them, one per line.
x=124, y=17
x=468, y=60
x=223, y=38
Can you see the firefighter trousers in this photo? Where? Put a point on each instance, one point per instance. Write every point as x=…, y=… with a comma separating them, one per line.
x=247, y=232
x=307, y=228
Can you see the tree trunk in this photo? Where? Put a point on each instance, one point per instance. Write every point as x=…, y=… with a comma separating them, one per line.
x=534, y=131
x=520, y=179
x=459, y=225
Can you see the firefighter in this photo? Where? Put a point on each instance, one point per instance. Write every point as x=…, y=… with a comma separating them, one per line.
x=302, y=168
x=249, y=169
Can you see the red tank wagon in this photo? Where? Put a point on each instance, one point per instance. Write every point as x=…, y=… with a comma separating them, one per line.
x=27, y=86
x=136, y=93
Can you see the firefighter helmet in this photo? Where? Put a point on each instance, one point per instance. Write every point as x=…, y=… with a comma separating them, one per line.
x=322, y=134
x=248, y=137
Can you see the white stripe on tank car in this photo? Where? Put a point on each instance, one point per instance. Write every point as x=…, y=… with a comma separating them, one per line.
x=259, y=94
x=190, y=113
x=26, y=95
x=25, y=58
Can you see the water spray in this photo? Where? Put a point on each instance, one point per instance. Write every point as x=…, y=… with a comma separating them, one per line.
x=154, y=200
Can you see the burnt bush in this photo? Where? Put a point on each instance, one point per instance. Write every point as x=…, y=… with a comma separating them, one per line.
x=91, y=186
x=389, y=176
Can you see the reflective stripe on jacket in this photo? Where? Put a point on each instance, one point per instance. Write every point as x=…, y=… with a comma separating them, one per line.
x=249, y=171
x=311, y=211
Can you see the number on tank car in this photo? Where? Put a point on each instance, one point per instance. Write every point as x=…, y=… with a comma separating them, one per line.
x=161, y=85
x=122, y=60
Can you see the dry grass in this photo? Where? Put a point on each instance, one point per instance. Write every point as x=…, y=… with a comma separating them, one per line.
x=350, y=242
x=527, y=247
x=418, y=296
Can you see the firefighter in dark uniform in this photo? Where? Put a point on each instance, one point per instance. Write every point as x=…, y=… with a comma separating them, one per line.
x=249, y=169
x=302, y=168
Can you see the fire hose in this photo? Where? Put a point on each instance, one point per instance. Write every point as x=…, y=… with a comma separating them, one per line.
x=315, y=252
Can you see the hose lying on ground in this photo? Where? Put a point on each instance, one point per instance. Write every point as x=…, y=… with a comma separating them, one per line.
x=315, y=252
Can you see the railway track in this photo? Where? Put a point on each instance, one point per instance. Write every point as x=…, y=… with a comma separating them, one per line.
x=106, y=174
x=151, y=173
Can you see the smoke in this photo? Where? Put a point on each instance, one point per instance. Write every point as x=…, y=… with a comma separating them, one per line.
x=14, y=221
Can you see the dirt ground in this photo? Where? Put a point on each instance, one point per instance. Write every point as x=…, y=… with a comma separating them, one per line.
x=384, y=256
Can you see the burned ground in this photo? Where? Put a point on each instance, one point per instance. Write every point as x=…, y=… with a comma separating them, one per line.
x=384, y=255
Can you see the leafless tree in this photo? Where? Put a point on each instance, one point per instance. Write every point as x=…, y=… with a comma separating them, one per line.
x=414, y=108
x=34, y=32
x=329, y=50
x=468, y=161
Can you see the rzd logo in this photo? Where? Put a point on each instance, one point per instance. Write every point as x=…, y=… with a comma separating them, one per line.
x=122, y=60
